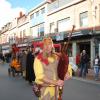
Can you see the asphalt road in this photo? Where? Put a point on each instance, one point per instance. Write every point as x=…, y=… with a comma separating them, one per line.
x=18, y=89
x=14, y=88
x=81, y=90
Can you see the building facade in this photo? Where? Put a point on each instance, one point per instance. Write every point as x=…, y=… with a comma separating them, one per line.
x=37, y=18
x=23, y=31
x=85, y=15
x=56, y=18
x=4, y=38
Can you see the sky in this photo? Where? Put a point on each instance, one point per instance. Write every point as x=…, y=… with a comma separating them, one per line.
x=9, y=9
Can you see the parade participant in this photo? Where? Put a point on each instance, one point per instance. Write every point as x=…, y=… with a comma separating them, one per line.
x=30, y=76
x=45, y=67
x=15, y=64
x=15, y=49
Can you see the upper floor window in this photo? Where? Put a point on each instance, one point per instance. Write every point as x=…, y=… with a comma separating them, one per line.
x=20, y=34
x=84, y=19
x=52, y=27
x=64, y=24
x=24, y=33
x=38, y=30
x=37, y=13
x=41, y=30
x=32, y=16
x=43, y=10
x=35, y=31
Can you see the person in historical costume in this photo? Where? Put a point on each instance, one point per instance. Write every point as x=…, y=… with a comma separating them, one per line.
x=45, y=68
x=15, y=64
x=23, y=62
x=30, y=76
x=15, y=50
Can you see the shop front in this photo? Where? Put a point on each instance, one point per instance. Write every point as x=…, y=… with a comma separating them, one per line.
x=79, y=41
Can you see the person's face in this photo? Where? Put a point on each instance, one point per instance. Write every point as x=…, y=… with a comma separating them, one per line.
x=84, y=52
x=48, y=48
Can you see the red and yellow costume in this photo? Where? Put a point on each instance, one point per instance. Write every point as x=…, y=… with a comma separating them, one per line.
x=15, y=64
x=46, y=67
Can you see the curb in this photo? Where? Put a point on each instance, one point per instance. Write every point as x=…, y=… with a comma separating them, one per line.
x=87, y=80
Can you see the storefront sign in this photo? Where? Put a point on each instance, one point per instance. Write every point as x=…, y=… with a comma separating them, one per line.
x=22, y=45
x=59, y=37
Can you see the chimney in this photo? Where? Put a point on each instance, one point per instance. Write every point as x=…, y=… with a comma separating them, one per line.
x=20, y=14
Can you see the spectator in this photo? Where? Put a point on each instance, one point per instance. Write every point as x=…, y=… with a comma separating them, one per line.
x=96, y=67
x=83, y=63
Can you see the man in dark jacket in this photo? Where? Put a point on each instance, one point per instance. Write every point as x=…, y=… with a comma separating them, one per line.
x=83, y=62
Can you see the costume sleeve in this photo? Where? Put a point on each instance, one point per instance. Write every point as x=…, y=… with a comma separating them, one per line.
x=38, y=69
x=70, y=70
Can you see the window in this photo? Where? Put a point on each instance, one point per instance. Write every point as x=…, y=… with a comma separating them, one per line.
x=69, y=50
x=35, y=31
x=43, y=10
x=37, y=13
x=24, y=34
x=52, y=27
x=63, y=24
x=84, y=19
x=20, y=34
x=38, y=30
x=32, y=16
x=41, y=30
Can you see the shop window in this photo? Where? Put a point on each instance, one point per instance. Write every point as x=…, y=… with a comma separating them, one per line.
x=69, y=50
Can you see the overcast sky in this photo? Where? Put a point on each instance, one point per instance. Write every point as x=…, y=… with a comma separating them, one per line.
x=10, y=9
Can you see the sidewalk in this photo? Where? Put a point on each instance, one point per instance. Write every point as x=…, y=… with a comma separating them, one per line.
x=89, y=77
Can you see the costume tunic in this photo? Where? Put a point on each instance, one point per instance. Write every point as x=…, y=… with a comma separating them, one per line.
x=49, y=70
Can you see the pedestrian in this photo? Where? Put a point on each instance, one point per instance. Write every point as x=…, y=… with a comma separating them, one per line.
x=83, y=63
x=96, y=67
x=45, y=68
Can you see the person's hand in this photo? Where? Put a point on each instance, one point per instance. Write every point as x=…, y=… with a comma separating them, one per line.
x=60, y=82
x=67, y=76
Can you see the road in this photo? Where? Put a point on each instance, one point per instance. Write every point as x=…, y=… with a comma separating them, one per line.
x=16, y=88
x=81, y=90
